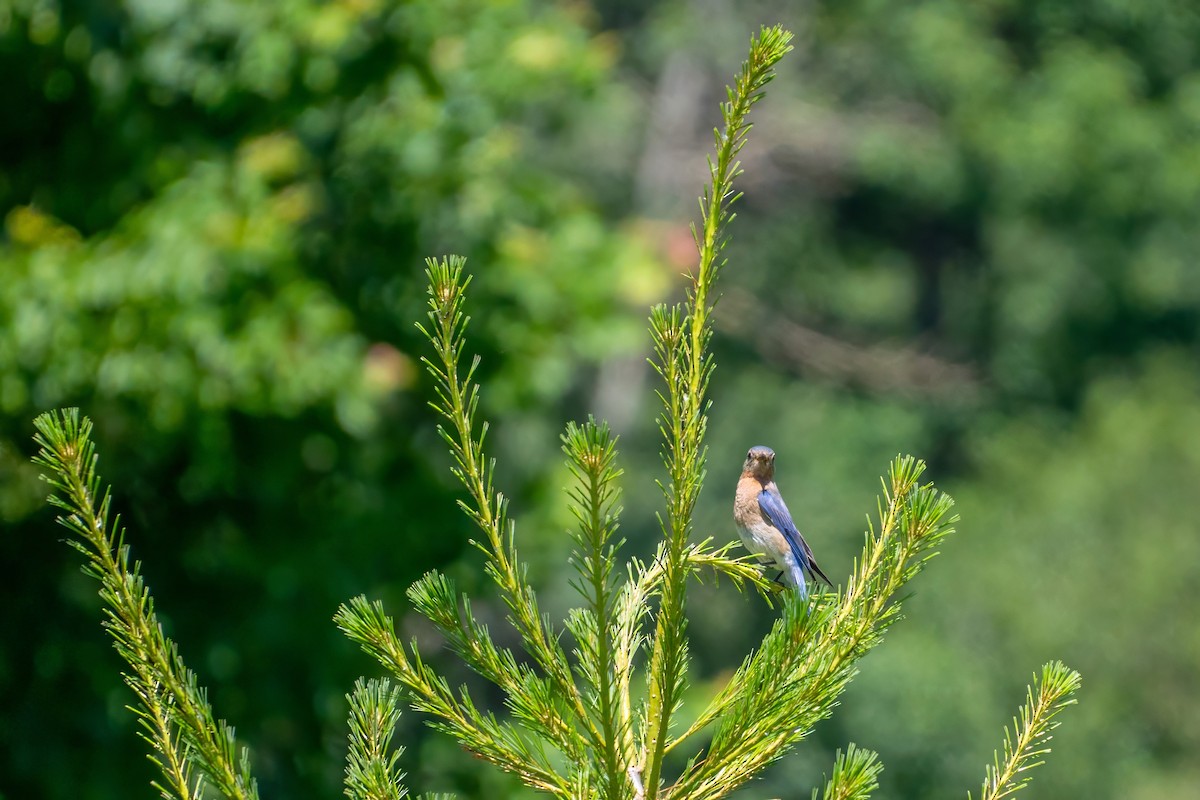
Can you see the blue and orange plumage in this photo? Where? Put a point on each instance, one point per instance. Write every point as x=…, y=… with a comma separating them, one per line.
x=766, y=526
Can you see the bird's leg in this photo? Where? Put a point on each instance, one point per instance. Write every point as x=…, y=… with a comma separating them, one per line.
x=778, y=585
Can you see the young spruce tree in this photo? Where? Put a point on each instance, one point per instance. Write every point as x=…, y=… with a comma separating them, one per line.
x=576, y=725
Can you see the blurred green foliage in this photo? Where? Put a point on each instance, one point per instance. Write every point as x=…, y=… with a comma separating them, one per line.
x=215, y=216
x=968, y=233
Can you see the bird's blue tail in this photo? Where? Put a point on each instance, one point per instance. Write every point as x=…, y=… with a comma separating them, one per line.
x=798, y=581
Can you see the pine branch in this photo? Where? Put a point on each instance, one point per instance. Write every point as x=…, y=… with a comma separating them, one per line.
x=592, y=729
x=496, y=742
x=681, y=338
x=591, y=457
x=643, y=584
x=173, y=709
x=530, y=697
x=855, y=775
x=458, y=399
x=1026, y=742
x=741, y=571
x=372, y=773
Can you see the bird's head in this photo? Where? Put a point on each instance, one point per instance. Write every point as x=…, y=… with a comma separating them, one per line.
x=760, y=462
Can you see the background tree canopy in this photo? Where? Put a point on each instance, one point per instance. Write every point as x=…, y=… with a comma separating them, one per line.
x=969, y=232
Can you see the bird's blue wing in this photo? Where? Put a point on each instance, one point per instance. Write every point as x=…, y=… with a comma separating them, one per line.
x=776, y=512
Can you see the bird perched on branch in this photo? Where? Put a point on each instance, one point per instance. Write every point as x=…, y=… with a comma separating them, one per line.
x=766, y=526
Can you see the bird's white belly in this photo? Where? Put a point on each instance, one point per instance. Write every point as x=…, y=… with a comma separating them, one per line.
x=758, y=540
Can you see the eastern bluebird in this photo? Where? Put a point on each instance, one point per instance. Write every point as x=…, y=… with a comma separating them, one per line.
x=765, y=524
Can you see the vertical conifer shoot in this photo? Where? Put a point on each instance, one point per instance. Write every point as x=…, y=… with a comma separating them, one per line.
x=681, y=335
x=575, y=725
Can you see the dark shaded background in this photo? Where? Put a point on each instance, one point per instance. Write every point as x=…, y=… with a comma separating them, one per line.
x=969, y=233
